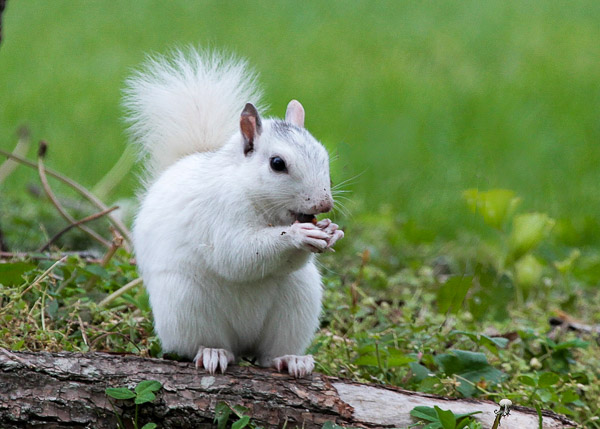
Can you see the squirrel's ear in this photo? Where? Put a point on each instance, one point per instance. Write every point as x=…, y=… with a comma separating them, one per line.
x=250, y=126
x=295, y=113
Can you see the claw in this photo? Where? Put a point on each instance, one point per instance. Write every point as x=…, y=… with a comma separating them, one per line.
x=297, y=366
x=211, y=359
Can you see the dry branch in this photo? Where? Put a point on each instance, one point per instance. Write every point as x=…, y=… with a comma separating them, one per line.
x=81, y=190
x=2, y=6
x=62, y=390
x=74, y=224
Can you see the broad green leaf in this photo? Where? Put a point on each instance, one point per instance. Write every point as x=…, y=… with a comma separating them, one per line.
x=119, y=393
x=144, y=391
x=548, y=379
x=419, y=371
x=144, y=397
x=452, y=293
x=528, y=230
x=11, y=274
x=148, y=386
x=395, y=358
x=495, y=205
x=367, y=360
x=149, y=426
x=491, y=343
x=424, y=413
x=471, y=366
x=527, y=380
x=569, y=396
x=222, y=413
x=241, y=423
x=446, y=418
x=97, y=270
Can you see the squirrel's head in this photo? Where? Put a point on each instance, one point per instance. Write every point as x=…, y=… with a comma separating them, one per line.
x=292, y=166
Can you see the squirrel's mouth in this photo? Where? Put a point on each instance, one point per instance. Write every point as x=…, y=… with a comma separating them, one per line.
x=304, y=217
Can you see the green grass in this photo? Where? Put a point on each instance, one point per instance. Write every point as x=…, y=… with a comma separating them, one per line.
x=420, y=100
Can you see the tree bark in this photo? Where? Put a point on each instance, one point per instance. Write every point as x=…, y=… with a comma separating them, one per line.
x=60, y=390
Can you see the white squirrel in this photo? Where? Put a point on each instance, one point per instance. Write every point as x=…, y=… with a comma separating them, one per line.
x=226, y=234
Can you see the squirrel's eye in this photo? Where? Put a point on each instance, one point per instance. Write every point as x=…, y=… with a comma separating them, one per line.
x=278, y=164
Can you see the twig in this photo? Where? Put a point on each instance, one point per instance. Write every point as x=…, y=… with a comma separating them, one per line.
x=54, y=200
x=20, y=149
x=43, y=275
x=120, y=292
x=117, y=242
x=81, y=190
x=73, y=225
x=83, y=334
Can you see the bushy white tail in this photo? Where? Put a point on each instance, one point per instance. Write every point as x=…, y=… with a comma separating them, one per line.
x=186, y=102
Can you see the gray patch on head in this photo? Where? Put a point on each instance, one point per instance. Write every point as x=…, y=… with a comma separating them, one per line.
x=301, y=138
x=285, y=129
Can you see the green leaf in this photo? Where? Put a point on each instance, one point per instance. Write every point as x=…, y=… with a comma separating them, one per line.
x=495, y=205
x=222, y=413
x=144, y=397
x=97, y=270
x=446, y=418
x=528, y=271
x=528, y=231
x=11, y=274
x=367, y=360
x=241, y=423
x=149, y=426
x=471, y=366
x=424, y=413
x=452, y=293
x=144, y=391
x=527, y=380
x=148, y=386
x=420, y=372
x=491, y=343
x=119, y=393
x=548, y=379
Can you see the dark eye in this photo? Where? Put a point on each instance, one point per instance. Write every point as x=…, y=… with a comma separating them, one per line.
x=278, y=164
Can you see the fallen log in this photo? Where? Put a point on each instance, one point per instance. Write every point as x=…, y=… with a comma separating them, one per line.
x=60, y=390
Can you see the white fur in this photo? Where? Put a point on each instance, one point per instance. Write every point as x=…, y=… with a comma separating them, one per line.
x=188, y=102
x=228, y=271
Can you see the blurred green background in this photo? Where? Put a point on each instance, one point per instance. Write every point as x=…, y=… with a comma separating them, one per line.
x=419, y=100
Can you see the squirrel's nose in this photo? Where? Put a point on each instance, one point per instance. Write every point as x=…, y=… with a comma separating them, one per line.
x=324, y=206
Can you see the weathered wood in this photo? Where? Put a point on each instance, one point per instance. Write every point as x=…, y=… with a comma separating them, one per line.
x=60, y=390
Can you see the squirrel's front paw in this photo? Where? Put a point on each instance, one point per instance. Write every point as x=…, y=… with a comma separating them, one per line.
x=297, y=366
x=332, y=230
x=310, y=237
x=210, y=359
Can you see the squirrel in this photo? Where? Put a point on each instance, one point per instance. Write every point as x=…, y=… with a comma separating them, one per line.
x=226, y=234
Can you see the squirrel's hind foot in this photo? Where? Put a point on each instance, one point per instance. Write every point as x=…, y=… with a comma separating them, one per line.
x=297, y=366
x=211, y=359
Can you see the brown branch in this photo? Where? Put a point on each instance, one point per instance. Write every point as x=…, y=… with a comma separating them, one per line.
x=56, y=203
x=67, y=390
x=73, y=225
x=81, y=190
x=2, y=6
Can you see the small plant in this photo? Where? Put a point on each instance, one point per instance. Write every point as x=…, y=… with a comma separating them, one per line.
x=223, y=411
x=143, y=393
x=444, y=419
